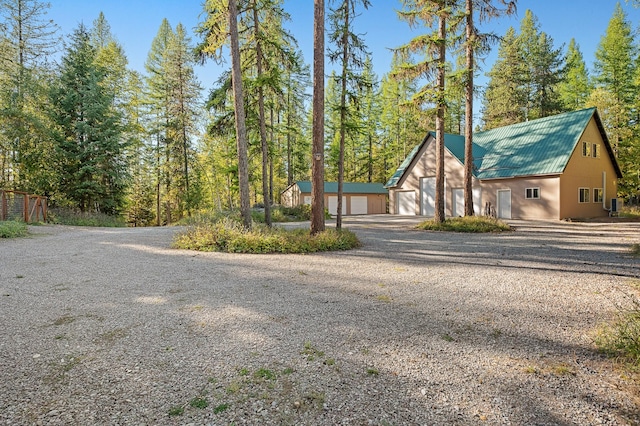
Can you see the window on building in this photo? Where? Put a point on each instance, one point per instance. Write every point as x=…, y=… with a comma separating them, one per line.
x=584, y=195
x=597, y=195
x=595, y=150
x=532, y=193
x=586, y=149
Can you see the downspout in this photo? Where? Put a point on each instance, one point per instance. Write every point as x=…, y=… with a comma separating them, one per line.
x=604, y=192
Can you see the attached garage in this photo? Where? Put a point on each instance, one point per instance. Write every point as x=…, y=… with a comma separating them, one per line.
x=359, y=198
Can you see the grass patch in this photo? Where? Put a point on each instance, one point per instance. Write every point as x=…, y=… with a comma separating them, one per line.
x=311, y=352
x=178, y=410
x=220, y=408
x=228, y=235
x=199, y=402
x=635, y=250
x=474, y=224
x=621, y=339
x=264, y=374
x=76, y=218
x=13, y=229
x=372, y=372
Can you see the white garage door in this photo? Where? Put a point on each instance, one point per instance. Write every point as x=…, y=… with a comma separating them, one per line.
x=428, y=196
x=333, y=205
x=359, y=205
x=407, y=203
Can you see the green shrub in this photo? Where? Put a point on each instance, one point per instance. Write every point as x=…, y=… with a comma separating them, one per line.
x=630, y=212
x=13, y=229
x=478, y=224
x=287, y=214
x=621, y=339
x=77, y=218
x=227, y=235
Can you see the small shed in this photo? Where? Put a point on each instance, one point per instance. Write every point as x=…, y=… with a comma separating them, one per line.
x=358, y=198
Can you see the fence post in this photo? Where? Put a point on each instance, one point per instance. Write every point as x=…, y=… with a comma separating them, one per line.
x=25, y=202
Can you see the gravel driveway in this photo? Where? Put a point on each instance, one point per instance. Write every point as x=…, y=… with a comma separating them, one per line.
x=111, y=326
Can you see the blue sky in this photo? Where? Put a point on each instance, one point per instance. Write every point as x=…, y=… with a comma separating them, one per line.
x=136, y=22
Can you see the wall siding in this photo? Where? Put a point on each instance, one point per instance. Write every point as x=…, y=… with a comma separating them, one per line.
x=587, y=172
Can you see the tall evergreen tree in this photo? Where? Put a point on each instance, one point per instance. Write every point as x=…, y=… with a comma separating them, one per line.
x=474, y=44
x=317, y=159
x=89, y=148
x=184, y=92
x=524, y=80
x=25, y=44
x=616, y=96
x=349, y=52
x=575, y=88
x=502, y=97
x=616, y=55
x=158, y=94
x=432, y=13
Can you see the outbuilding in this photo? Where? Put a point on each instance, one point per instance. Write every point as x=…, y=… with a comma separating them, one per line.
x=358, y=198
x=556, y=167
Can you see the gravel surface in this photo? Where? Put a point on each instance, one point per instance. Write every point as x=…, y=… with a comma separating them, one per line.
x=111, y=326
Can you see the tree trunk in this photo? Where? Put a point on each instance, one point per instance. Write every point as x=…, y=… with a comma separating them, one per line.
x=317, y=162
x=468, y=114
x=441, y=105
x=343, y=114
x=241, y=130
x=262, y=119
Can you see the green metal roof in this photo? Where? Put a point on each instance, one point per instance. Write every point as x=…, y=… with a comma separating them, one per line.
x=347, y=187
x=536, y=147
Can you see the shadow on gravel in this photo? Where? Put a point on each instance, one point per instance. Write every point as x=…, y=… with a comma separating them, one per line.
x=349, y=338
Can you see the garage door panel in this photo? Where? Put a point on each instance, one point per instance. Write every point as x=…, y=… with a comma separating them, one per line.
x=407, y=203
x=359, y=205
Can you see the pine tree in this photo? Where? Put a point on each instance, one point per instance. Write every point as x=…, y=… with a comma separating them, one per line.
x=524, y=80
x=89, y=148
x=27, y=39
x=369, y=116
x=503, y=96
x=475, y=44
x=317, y=133
x=434, y=46
x=616, y=96
x=183, y=97
x=349, y=51
x=616, y=55
x=158, y=93
x=575, y=88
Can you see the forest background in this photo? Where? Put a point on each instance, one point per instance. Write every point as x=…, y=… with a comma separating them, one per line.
x=137, y=126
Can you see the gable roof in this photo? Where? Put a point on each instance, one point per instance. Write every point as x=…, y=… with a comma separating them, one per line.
x=347, y=187
x=533, y=148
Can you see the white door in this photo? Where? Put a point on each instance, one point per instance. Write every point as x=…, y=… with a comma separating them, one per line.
x=307, y=199
x=428, y=196
x=458, y=202
x=504, y=204
x=406, y=203
x=359, y=205
x=477, y=201
x=333, y=205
